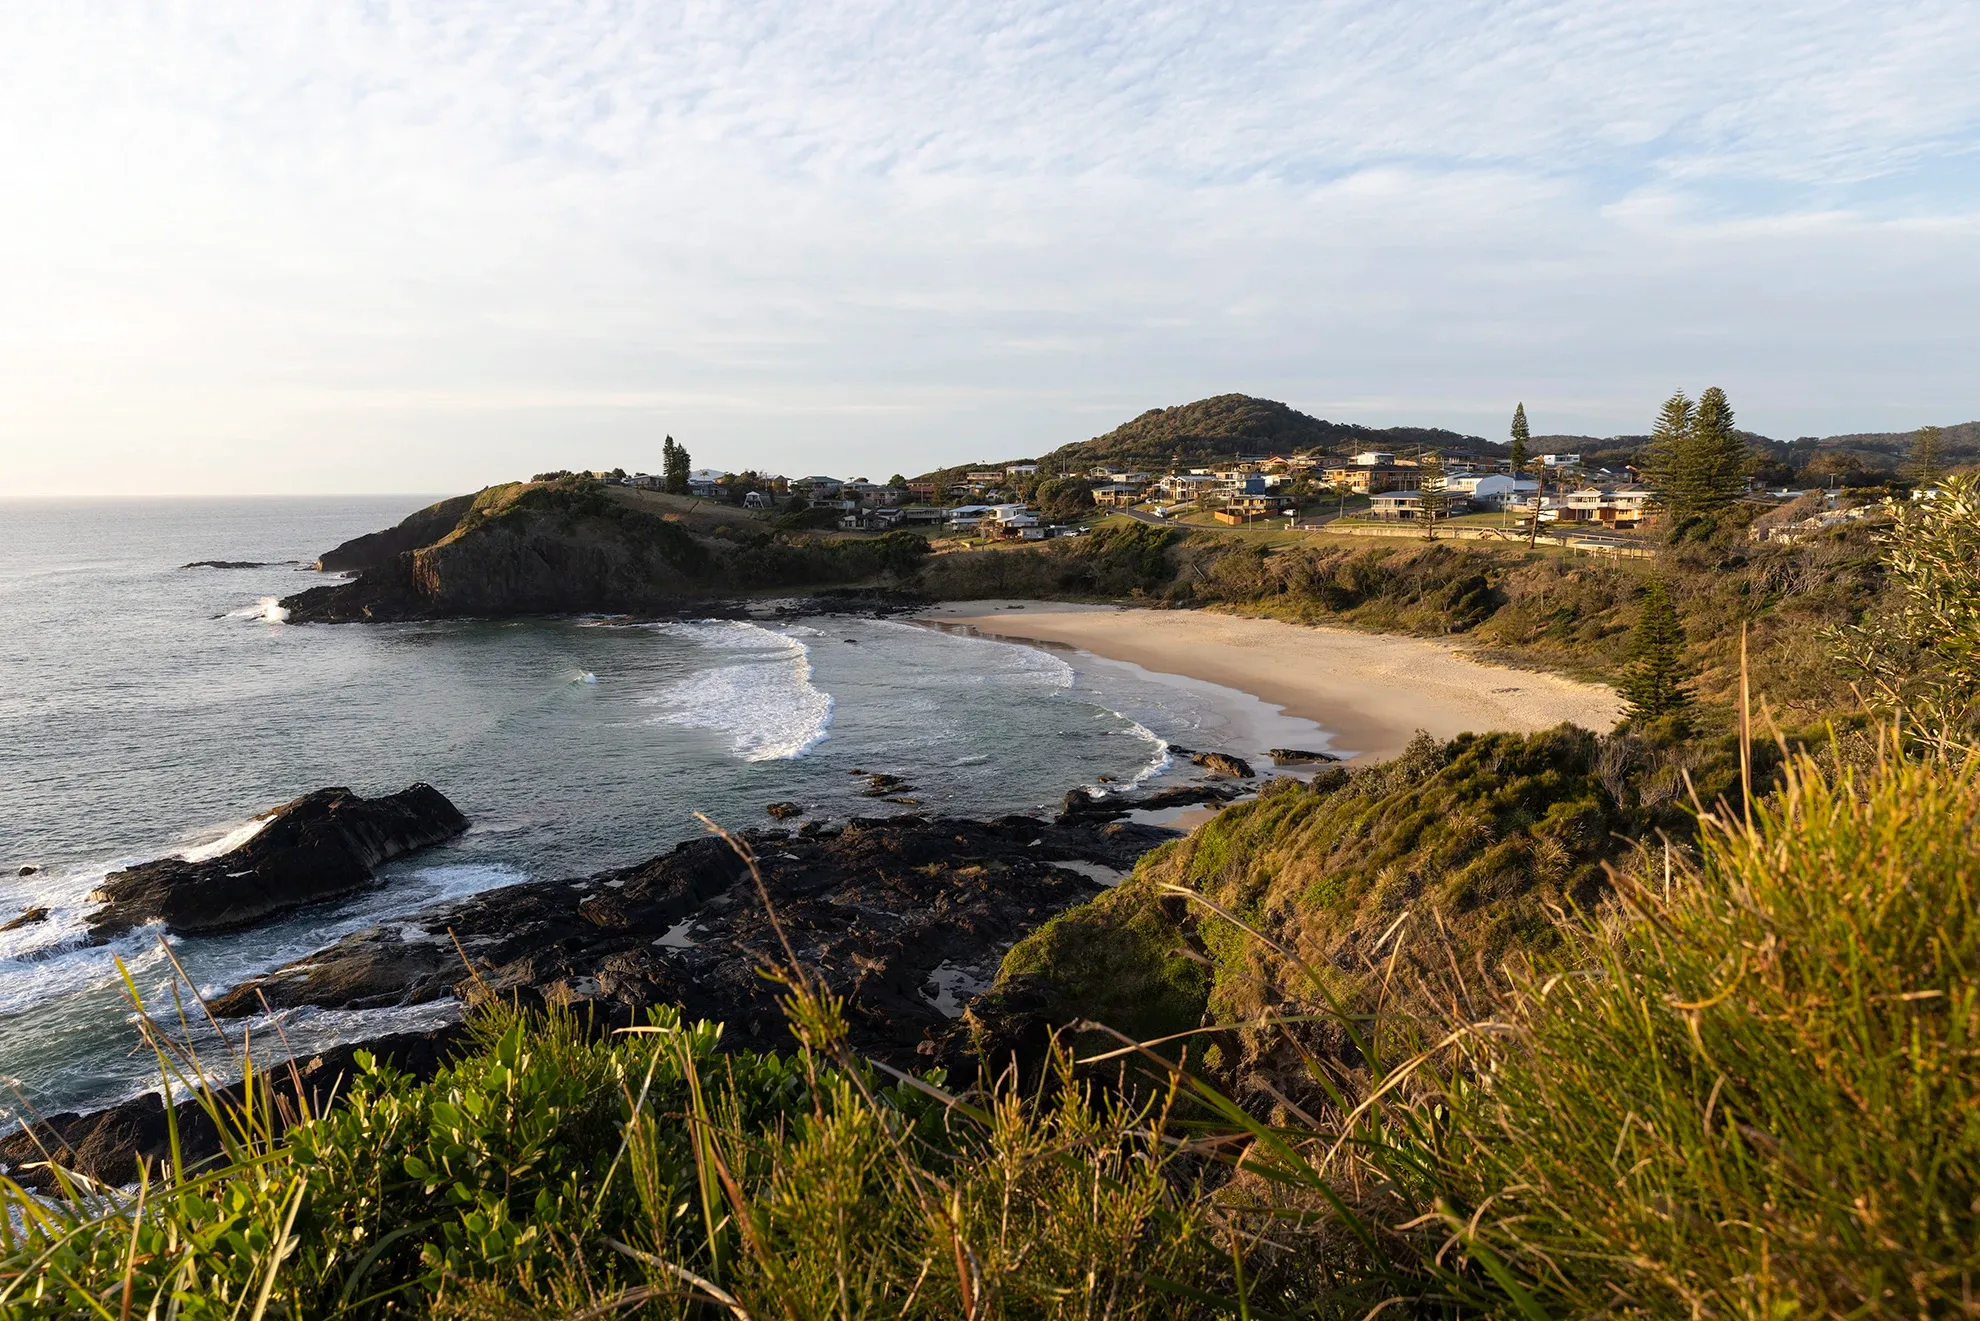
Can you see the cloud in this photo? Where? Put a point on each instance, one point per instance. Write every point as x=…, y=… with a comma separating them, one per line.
x=320, y=246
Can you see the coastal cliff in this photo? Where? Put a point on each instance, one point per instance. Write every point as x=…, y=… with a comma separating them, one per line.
x=573, y=545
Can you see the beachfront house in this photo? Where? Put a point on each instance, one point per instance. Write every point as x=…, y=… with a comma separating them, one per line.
x=1490, y=490
x=1623, y=507
x=1407, y=506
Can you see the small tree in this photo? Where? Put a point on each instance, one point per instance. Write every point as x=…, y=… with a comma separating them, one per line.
x=1653, y=680
x=1921, y=652
x=1520, y=437
x=1925, y=452
x=674, y=467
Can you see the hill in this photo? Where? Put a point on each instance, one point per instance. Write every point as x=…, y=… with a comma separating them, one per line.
x=1226, y=426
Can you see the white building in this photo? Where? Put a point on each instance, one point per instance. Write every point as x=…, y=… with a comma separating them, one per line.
x=1490, y=491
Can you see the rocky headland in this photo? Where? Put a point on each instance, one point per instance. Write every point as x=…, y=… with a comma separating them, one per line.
x=321, y=846
x=572, y=545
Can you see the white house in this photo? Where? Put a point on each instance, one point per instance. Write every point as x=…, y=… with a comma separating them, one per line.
x=1493, y=491
x=1021, y=470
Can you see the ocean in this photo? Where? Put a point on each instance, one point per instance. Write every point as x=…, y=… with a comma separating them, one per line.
x=150, y=709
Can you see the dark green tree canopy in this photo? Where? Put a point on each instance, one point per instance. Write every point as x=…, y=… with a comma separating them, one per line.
x=1653, y=684
x=1520, y=438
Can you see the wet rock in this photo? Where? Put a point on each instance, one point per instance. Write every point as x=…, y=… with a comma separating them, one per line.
x=320, y=846
x=1299, y=756
x=785, y=811
x=880, y=784
x=235, y=564
x=1084, y=805
x=28, y=870
x=872, y=909
x=28, y=917
x=1223, y=763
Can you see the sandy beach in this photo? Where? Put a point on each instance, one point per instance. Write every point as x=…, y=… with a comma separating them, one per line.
x=1371, y=691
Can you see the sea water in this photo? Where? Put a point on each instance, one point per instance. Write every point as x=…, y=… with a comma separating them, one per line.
x=149, y=709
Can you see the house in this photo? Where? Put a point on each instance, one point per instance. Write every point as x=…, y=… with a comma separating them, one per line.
x=984, y=476
x=927, y=492
x=758, y=500
x=1407, y=505
x=1490, y=491
x=817, y=488
x=924, y=514
x=1259, y=506
x=874, y=493
x=1116, y=495
x=1560, y=460
x=1624, y=507
x=1187, y=487
x=1372, y=478
x=1021, y=470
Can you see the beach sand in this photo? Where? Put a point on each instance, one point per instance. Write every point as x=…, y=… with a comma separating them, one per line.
x=1371, y=691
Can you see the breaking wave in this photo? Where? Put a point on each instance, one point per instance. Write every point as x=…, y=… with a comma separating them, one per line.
x=760, y=695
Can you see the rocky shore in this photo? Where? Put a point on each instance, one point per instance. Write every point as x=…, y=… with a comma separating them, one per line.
x=904, y=918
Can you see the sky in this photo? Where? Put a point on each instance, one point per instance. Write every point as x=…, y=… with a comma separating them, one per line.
x=390, y=245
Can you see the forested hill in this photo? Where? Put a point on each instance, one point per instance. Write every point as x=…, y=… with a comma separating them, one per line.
x=1231, y=424
x=1227, y=425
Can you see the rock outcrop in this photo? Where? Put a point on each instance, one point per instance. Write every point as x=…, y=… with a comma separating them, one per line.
x=320, y=846
x=903, y=917
x=376, y=549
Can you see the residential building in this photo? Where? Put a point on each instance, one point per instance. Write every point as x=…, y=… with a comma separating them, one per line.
x=1490, y=491
x=1624, y=507
x=1407, y=505
x=817, y=488
x=1117, y=495
x=1021, y=470
x=1372, y=478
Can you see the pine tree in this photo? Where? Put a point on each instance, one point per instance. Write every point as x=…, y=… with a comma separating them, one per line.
x=1668, y=440
x=1520, y=437
x=1720, y=459
x=674, y=469
x=1653, y=680
x=1925, y=456
x=1434, y=491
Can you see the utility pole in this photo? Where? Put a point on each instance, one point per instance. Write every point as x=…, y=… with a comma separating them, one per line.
x=1539, y=490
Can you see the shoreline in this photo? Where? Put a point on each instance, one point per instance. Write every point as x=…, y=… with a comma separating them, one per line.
x=1371, y=692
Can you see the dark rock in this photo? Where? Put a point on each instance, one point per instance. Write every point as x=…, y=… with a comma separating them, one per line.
x=235, y=564
x=28, y=917
x=785, y=811
x=871, y=909
x=28, y=870
x=1178, y=750
x=880, y=785
x=1223, y=763
x=108, y=1145
x=376, y=549
x=1299, y=756
x=1084, y=805
x=320, y=846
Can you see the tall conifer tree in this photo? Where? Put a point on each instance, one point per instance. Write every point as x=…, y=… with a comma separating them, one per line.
x=674, y=470
x=1653, y=681
x=1925, y=455
x=1434, y=486
x=1520, y=437
x=1668, y=440
x=1719, y=457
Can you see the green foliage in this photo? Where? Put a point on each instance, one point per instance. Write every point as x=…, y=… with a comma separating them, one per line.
x=1521, y=438
x=1064, y=499
x=674, y=467
x=1927, y=455
x=1698, y=463
x=1653, y=681
x=548, y=1172
x=1753, y=1095
x=1921, y=651
x=1435, y=486
x=1231, y=424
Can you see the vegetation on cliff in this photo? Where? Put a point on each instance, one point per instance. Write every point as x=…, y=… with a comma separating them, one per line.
x=569, y=543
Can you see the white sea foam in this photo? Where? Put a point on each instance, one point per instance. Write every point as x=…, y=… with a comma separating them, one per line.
x=761, y=695
x=231, y=838
x=268, y=609
x=585, y=676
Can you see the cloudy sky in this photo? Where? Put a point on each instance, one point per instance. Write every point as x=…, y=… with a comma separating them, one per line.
x=405, y=246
